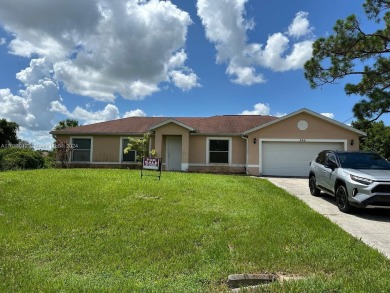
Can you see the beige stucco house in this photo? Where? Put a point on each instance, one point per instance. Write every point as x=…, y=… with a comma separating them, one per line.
x=252, y=144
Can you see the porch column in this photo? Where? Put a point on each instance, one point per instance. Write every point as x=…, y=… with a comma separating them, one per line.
x=185, y=151
x=158, y=144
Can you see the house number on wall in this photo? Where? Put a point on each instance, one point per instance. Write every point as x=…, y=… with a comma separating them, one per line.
x=302, y=140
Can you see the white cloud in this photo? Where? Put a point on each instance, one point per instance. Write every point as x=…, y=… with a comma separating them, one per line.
x=300, y=26
x=226, y=27
x=130, y=53
x=95, y=48
x=40, y=140
x=39, y=69
x=272, y=56
x=135, y=113
x=47, y=28
x=301, y=52
x=110, y=112
x=262, y=109
x=279, y=114
x=184, y=81
x=329, y=115
x=57, y=106
x=101, y=48
x=178, y=59
x=30, y=108
x=12, y=107
x=258, y=109
x=244, y=75
x=181, y=76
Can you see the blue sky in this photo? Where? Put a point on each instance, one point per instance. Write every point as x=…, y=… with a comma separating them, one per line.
x=99, y=60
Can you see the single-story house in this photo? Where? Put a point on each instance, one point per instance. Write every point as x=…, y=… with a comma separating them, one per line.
x=252, y=144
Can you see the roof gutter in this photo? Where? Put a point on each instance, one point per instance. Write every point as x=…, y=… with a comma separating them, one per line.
x=97, y=133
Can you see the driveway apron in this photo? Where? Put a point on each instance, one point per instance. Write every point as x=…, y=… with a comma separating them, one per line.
x=371, y=225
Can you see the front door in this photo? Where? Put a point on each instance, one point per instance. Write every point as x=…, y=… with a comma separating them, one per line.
x=173, y=153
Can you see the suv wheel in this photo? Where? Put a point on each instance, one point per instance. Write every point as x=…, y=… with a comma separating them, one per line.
x=313, y=187
x=342, y=199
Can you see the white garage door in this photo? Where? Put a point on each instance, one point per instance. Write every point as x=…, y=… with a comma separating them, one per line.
x=292, y=158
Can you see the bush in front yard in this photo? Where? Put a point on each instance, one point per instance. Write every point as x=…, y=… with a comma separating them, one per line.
x=20, y=158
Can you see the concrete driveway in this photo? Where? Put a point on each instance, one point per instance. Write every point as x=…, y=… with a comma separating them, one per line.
x=371, y=225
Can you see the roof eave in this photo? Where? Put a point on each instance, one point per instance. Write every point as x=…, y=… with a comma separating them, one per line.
x=215, y=134
x=98, y=133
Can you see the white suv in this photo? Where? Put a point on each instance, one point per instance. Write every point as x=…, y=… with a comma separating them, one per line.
x=355, y=179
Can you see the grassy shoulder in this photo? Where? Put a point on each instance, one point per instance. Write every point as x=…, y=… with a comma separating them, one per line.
x=110, y=230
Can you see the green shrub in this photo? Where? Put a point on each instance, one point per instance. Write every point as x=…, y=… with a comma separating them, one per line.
x=50, y=159
x=19, y=158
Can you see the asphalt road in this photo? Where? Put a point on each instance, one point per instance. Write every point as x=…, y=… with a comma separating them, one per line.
x=371, y=225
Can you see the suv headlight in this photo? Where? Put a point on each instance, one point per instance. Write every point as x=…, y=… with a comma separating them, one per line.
x=361, y=180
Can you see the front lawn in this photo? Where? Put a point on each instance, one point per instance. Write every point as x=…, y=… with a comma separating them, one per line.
x=101, y=230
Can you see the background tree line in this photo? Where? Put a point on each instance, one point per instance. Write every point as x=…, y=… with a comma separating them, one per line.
x=18, y=154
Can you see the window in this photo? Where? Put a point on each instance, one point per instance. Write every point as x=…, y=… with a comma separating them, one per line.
x=321, y=158
x=131, y=155
x=363, y=161
x=219, y=151
x=82, y=150
x=330, y=158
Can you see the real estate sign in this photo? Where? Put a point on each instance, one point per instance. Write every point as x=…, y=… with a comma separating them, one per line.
x=151, y=163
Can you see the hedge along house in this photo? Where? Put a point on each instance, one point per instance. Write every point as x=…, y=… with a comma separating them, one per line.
x=252, y=144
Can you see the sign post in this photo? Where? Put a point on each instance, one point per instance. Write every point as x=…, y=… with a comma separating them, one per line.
x=153, y=164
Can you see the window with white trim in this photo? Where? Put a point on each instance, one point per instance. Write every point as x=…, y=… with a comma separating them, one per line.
x=219, y=151
x=131, y=155
x=82, y=149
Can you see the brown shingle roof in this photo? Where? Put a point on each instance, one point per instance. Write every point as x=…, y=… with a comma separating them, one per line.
x=227, y=124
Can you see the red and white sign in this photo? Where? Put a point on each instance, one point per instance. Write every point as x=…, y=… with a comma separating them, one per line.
x=151, y=163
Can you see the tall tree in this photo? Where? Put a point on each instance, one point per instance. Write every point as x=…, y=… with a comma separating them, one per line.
x=8, y=132
x=352, y=52
x=377, y=139
x=66, y=124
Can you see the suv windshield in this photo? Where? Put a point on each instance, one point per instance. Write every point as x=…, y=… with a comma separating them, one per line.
x=363, y=161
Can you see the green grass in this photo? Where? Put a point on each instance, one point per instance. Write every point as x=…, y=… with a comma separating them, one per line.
x=111, y=231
